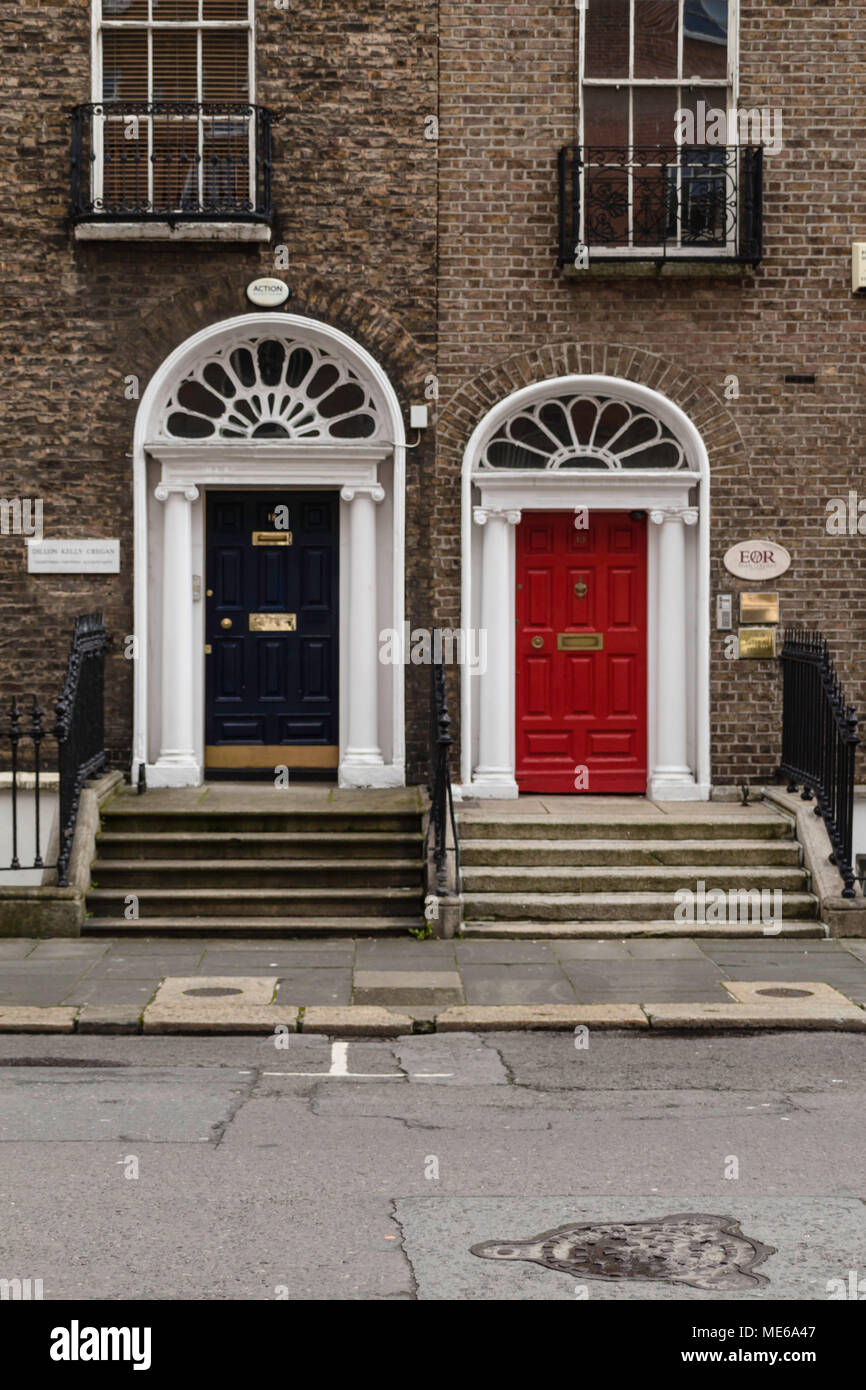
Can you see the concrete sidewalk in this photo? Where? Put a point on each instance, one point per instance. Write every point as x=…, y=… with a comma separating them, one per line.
x=380, y=986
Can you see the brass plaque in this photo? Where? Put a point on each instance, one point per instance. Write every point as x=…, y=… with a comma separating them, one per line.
x=273, y=622
x=759, y=608
x=272, y=537
x=757, y=642
x=580, y=641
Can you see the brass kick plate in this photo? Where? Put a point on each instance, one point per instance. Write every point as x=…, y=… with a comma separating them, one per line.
x=272, y=537
x=273, y=622
x=580, y=641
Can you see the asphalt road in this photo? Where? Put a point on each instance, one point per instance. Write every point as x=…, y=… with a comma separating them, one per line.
x=224, y=1168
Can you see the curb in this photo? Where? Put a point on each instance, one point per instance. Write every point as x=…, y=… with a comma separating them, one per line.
x=755, y=1006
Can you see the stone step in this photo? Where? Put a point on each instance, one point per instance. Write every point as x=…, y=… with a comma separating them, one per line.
x=696, y=827
x=259, y=845
x=130, y=875
x=260, y=902
x=127, y=817
x=282, y=927
x=598, y=907
x=534, y=853
x=614, y=930
x=625, y=879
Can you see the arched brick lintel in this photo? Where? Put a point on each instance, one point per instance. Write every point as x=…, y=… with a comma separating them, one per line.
x=149, y=340
x=462, y=411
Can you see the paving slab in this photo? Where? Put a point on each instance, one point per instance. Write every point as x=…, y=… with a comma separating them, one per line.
x=111, y=992
x=804, y=1243
x=218, y=1004
x=316, y=986
x=407, y=987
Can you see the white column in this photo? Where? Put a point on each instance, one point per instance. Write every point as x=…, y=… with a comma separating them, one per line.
x=177, y=765
x=494, y=775
x=363, y=755
x=671, y=777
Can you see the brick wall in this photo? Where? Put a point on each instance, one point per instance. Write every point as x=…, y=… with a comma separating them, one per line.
x=355, y=194
x=509, y=316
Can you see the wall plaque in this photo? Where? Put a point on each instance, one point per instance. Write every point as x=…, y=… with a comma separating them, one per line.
x=267, y=292
x=760, y=559
x=757, y=642
x=759, y=608
x=73, y=557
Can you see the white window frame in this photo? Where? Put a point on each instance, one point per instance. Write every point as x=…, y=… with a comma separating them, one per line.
x=731, y=84
x=101, y=23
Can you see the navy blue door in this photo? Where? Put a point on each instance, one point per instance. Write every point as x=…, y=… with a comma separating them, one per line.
x=271, y=630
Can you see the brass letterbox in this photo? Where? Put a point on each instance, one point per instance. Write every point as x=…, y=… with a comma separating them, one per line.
x=579, y=641
x=272, y=537
x=273, y=622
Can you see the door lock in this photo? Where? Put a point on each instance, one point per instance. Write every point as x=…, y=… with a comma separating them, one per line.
x=225, y=622
x=537, y=642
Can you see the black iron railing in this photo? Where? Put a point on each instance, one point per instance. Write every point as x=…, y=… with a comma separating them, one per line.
x=439, y=786
x=79, y=733
x=651, y=203
x=819, y=736
x=171, y=159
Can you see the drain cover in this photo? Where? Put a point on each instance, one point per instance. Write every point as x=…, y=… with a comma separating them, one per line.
x=787, y=993
x=212, y=993
x=707, y=1252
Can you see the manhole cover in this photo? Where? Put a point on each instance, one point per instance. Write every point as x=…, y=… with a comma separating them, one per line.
x=707, y=1252
x=787, y=993
x=213, y=993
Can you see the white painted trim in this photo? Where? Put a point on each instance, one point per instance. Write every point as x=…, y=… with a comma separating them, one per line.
x=646, y=489
x=171, y=231
x=245, y=464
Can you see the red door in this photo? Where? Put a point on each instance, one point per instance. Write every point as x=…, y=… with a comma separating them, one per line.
x=581, y=653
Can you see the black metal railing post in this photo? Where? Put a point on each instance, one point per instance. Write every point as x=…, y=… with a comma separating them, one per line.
x=80, y=727
x=819, y=739
x=439, y=782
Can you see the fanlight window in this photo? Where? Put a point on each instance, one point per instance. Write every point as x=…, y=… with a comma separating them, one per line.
x=583, y=432
x=269, y=388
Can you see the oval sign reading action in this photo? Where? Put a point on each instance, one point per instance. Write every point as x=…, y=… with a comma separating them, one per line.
x=267, y=293
x=760, y=559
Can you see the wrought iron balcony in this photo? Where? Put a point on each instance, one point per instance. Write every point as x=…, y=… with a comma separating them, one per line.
x=658, y=203
x=175, y=160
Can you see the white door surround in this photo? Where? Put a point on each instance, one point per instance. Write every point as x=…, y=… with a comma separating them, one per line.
x=532, y=425
x=258, y=429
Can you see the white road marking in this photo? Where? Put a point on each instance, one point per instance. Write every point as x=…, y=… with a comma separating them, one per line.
x=339, y=1058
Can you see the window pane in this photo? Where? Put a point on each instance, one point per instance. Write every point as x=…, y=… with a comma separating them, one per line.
x=124, y=9
x=124, y=65
x=174, y=10
x=656, y=25
x=225, y=66
x=654, y=116
x=708, y=108
x=605, y=116
x=606, y=52
x=174, y=66
x=224, y=9
x=705, y=38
